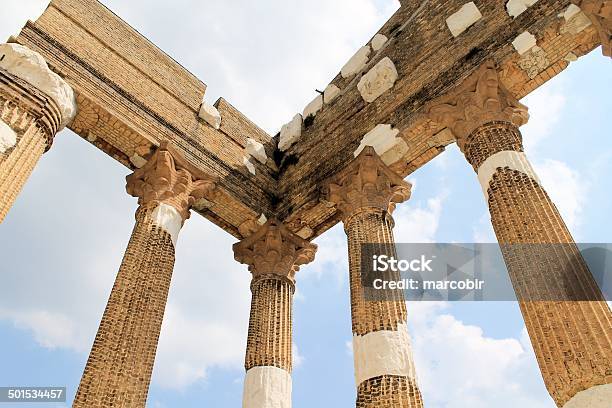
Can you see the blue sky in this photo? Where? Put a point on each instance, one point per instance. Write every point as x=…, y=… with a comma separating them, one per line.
x=63, y=241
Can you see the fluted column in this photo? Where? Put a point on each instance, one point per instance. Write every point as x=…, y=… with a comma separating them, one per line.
x=567, y=318
x=365, y=193
x=35, y=104
x=273, y=254
x=118, y=371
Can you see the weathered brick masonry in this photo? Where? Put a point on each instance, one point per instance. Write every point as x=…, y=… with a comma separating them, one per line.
x=437, y=72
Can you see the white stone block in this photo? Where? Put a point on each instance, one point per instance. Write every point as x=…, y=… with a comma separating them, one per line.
x=137, y=160
x=516, y=7
x=330, y=93
x=575, y=20
x=524, y=42
x=378, y=41
x=395, y=153
x=313, y=107
x=513, y=160
x=598, y=396
x=267, y=387
x=256, y=150
x=378, y=80
x=250, y=167
x=305, y=233
x=169, y=219
x=571, y=11
x=32, y=68
x=262, y=219
x=8, y=137
x=385, y=352
x=210, y=114
x=356, y=63
x=290, y=132
x=467, y=15
x=382, y=138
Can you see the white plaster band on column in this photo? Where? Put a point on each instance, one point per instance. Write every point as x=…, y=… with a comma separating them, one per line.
x=385, y=352
x=32, y=68
x=267, y=387
x=598, y=396
x=8, y=137
x=169, y=219
x=511, y=159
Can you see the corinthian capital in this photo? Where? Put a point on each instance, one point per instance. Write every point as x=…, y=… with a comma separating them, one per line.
x=367, y=183
x=167, y=178
x=273, y=250
x=480, y=99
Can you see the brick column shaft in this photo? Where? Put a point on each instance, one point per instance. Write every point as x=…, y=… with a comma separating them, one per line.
x=366, y=193
x=572, y=339
x=120, y=364
x=273, y=254
x=270, y=324
x=34, y=105
x=568, y=321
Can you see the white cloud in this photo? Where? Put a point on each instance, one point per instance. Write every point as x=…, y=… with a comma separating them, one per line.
x=458, y=365
x=566, y=188
x=546, y=106
x=415, y=222
x=298, y=358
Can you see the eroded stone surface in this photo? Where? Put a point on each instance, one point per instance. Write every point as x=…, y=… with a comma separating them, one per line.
x=250, y=167
x=210, y=114
x=378, y=41
x=138, y=160
x=330, y=93
x=378, y=80
x=256, y=150
x=460, y=21
x=381, y=138
x=356, y=63
x=516, y=7
x=313, y=107
x=385, y=352
x=524, y=42
x=267, y=387
x=598, y=396
x=290, y=132
x=32, y=68
x=8, y=137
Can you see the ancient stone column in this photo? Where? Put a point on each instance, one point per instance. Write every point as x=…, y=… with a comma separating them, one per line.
x=365, y=193
x=35, y=104
x=119, y=367
x=273, y=254
x=568, y=320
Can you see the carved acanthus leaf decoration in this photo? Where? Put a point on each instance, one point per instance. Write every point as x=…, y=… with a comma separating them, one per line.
x=274, y=250
x=367, y=183
x=168, y=178
x=480, y=99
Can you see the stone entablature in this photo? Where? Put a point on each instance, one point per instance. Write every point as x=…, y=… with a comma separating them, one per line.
x=288, y=184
